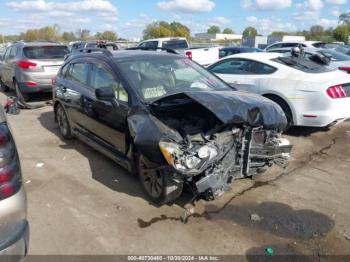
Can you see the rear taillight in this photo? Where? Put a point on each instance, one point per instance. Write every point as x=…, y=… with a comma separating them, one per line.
x=346, y=69
x=26, y=64
x=10, y=174
x=189, y=54
x=336, y=92
x=31, y=83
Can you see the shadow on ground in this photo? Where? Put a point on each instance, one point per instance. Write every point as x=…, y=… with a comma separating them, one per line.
x=103, y=170
x=279, y=219
x=305, y=131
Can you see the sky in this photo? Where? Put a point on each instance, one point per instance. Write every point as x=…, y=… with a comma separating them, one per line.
x=128, y=18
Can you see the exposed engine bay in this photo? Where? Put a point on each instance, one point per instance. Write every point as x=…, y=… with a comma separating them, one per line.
x=212, y=154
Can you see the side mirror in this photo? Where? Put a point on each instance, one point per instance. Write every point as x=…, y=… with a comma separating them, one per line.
x=105, y=94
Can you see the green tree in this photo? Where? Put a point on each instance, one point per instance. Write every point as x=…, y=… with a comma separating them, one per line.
x=68, y=37
x=106, y=35
x=344, y=18
x=278, y=34
x=250, y=32
x=164, y=29
x=214, y=29
x=341, y=34
x=228, y=31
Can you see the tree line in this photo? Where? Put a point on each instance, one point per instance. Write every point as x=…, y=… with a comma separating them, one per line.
x=175, y=29
x=53, y=33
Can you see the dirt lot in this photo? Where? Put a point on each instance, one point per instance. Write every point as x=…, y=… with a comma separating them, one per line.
x=80, y=202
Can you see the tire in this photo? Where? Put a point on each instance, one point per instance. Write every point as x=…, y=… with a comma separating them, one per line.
x=161, y=188
x=3, y=87
x=63, y=123
x=22, y=97
x=286, y=109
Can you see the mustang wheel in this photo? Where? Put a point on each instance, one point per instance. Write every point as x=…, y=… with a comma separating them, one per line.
x=63, y=123
x=160, y=188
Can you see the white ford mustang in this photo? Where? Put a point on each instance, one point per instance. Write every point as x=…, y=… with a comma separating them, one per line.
x=309, y=93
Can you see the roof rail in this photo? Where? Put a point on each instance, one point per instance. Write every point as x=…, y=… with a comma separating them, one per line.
x=95, y=50
x=168, y=50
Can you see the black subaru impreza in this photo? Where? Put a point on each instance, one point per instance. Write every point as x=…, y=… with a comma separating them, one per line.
x=169, y=120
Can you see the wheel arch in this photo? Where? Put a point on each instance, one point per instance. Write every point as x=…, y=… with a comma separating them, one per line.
x=271, y=96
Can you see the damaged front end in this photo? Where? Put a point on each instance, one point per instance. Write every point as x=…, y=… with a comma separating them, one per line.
x=209, y=139
x=211, y=163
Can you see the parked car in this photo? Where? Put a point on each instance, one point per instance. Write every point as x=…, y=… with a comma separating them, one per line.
x=28, y=67
x=232, y=50
x=201, y=55
x=312, y=44
x=76, y=46
x=337, y=60
x=345, y=49
x=310, y=94
x=14, y=229
x=169, y=120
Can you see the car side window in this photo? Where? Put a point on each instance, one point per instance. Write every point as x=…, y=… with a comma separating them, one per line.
x=231, y=66
x=64, y=70
x=103, y=78
x=79, y=73
x=260, y=68
x=13, y=52
x=151, y=44
x=286, y=45
x=242, y=67
x=7, y=53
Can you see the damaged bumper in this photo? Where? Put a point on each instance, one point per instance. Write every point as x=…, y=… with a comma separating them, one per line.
x=230, y=155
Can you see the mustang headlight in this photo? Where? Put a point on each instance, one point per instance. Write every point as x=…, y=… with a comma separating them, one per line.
x=181, y=160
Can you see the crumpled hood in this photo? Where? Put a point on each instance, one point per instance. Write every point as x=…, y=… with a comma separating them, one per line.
x=234, y=107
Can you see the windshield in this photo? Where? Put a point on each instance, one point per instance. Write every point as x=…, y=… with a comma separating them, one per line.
x=335, y=55
x=45, y=52
x=157, y=77
x=175, y=44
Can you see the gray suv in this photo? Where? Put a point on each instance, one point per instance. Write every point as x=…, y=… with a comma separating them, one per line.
x=28, y=67
x=14, y=229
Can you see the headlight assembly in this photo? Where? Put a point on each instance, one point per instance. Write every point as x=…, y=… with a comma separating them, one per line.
x=186, y=161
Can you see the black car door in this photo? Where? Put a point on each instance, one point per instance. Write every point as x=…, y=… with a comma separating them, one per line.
x=74, y=92
x=109, y=119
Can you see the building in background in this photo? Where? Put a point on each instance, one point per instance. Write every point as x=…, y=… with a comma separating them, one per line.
x=263, y=41
x=218, y=37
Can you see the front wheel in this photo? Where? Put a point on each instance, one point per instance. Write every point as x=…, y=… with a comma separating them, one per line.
x=160, y=187
x=63, y=122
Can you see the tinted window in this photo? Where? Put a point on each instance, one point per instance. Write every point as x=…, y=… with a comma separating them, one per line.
x=64, y=70
x=13, y=52
x=7, y=53
x=151, y=44
x=242, y=67
x=175, y=44
x=290, y=45
x=102, y=78
x=275, y=46
x=79, y=73
x=45, y=52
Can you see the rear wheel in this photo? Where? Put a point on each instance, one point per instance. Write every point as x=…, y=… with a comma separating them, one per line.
x=22, y=97
x=63, y=122
x=160, y=187
x=286, y=109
